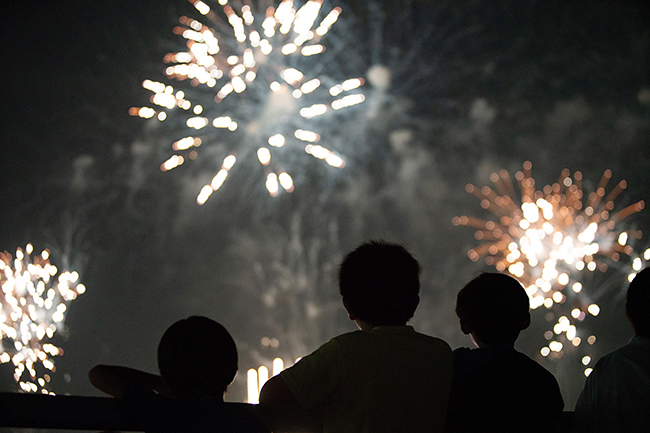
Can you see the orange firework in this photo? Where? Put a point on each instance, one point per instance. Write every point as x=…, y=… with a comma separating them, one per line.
x=548, y=236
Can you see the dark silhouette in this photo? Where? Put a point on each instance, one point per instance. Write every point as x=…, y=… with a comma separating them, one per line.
x=616, y=396
x=197, y=359
x=385, y=377
x=496, y=388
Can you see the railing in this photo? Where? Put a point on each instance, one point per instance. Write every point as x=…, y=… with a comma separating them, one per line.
x=88, y=413
x=63, y=412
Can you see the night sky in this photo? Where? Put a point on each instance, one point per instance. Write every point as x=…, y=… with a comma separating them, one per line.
x=476, y=87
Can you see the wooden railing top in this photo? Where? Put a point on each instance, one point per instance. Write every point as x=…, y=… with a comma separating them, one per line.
x=87, y=413
x=63, y=412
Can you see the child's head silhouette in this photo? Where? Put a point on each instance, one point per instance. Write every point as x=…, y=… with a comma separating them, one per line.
x=380, y=282
x=638, y=303
x=493, y=308
x=197, y=358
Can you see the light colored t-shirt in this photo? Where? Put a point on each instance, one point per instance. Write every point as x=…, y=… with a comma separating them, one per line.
x=389, y=379
x=616, y=396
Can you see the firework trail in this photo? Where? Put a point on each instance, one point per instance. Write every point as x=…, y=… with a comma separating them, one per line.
x=294, y=275
x=34, y=299
x=547, y=238
x=252, y=70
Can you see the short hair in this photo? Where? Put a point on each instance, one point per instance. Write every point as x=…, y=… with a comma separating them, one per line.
x=494, y=306
x=380, y=282
x=197, y=357
x=637, y=305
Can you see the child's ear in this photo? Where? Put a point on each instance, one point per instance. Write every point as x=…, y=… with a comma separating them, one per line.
x=415, y=302
x=526, y=322
x=351, y=314
x=464, y=326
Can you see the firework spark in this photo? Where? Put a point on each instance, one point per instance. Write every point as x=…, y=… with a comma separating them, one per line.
x=256, y=67
x=35, y=296
x=548, y=237
x=639, y=261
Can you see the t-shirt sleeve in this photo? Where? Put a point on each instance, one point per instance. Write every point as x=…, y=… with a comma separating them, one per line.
x=317, y=378
x=585, y=406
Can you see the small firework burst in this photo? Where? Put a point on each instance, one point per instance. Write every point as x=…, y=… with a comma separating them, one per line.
x=34, y=299
x=251, y=86
x=547, y=237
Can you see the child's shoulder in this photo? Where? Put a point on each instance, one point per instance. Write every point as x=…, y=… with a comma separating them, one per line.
x=468, y=361
x=391, y=336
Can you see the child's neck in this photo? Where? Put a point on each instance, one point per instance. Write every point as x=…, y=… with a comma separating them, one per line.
x=367, y=326
x=483, y=345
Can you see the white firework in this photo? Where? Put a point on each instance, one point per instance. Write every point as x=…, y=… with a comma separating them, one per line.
x=253, y=88
x=33, y=303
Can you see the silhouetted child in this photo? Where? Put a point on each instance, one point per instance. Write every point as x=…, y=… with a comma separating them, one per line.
x=496, y=388
x=616, y=396
x=197, y=359
x=385, y=377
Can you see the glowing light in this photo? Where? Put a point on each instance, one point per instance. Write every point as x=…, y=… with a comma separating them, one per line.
x=264, y=155
x=202, y=7
x=286, y=182
x=312, y=50
x=186, y=143
x=33, y=303
x=173, y=162
x=222, y=122
x=232, y=50
x=555, y=346
x=322, y=153
x=257, y=378
x=348, y=101
x=217, y=180
x=197, y=122
x=313, y=111
x=292, y=76
x=586, y=360
x=546, y=237
x=277, y=140
x=253, y=388
x=278, y=366
x=289, y=49
x=262, y=376
x=272, y=184
x=309, y=136
x=588, y=371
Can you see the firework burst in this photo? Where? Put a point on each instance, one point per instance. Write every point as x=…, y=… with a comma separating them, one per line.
x=251, y=69
x=548, y=237
x=35, y=296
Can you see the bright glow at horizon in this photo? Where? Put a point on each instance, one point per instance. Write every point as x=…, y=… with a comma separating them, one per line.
x=235, y=49
x=255, y=379
x=33, y=303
